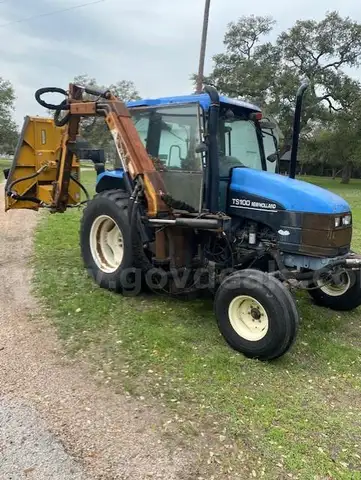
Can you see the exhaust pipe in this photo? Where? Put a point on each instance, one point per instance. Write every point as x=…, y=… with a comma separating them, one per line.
x=212, y=171
x=297, y=126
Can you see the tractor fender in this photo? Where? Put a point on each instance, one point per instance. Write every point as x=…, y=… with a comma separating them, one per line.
x=109, y=180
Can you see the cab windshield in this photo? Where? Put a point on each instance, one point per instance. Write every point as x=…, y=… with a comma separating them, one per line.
x=239, y=145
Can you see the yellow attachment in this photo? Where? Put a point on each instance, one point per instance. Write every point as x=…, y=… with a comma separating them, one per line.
x=39, y=147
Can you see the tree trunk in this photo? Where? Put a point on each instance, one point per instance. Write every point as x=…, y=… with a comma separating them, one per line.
x=346, y=173
x=334, y=171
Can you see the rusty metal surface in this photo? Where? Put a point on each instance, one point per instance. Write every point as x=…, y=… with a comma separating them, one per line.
x=177, y=246
x=131, y=150
x=120, y=109
x=129, y=145
x=161, y=251
x=88, y=108
x=61, y=187
x=134, y=157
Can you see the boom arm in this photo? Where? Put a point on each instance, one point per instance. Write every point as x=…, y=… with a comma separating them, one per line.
x=135, y=160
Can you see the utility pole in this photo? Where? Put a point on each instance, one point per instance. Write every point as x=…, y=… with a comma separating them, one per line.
x=203, y=47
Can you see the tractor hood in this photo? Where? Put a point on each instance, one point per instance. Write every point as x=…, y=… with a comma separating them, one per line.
x=291, y=194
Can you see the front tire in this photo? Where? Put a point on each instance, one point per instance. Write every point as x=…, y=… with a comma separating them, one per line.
x=256, y=314
x=105, y=243
x=343, y=295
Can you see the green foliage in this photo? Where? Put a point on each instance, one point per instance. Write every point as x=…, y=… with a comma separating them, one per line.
x=8, y=128
x=248, y=67
x=269, y=73
x=319, y=51
x=124, y=89
x=337, y=143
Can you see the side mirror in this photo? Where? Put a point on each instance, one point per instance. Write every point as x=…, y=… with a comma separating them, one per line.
x=272, y=158
x=201, y=148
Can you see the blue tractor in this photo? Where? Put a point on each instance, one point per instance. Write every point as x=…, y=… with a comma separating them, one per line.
x=193, y=207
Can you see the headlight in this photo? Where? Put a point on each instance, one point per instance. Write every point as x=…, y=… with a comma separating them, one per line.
x=346, y=220
x=337, y=221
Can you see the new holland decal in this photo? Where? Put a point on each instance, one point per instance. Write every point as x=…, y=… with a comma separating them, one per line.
x=252, y=204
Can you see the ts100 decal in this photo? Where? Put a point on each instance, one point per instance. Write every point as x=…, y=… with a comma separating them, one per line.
x=245, y=203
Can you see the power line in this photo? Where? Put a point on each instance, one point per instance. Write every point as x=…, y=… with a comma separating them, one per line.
x=49, y=13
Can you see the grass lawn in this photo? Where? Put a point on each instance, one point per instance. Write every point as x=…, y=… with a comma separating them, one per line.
x=298, y=417
x=3, y=164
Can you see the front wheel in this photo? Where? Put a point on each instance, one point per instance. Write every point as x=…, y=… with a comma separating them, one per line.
x=256, y=314
x=342, y=293
x=105, y=243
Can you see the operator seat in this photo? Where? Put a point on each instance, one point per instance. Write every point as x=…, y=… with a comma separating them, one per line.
x=225, y=164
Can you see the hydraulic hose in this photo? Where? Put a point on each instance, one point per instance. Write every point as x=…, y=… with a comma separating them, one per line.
x=82, y=187
x=132, y=198
x=51, y=106
x=65, y=119
x=140, y=258
x=29, y=177
x=16, y=196
x=64, y=105
x=24, y=198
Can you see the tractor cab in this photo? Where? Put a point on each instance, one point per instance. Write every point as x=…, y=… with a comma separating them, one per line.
x=176, y=134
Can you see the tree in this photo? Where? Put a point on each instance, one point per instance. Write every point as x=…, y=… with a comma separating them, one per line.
x=248, y=67
x=124, y=89
x=269, y=73
x=320, y=51
x=95, y=130
x=338, y=144
x=8, y=128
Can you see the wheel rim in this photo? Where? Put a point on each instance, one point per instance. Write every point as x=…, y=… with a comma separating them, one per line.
x=248, y=318
x=339, y=285
x=106, y=244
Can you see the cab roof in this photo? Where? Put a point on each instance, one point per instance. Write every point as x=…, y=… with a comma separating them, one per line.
x=202, y=98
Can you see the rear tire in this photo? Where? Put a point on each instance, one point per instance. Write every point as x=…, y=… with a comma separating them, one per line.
x=105, y=243
x=256, y=314
x=337, y=298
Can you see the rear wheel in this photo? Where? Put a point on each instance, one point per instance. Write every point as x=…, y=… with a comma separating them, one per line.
x=106, y=245
x=256, y=314
x=342, y=293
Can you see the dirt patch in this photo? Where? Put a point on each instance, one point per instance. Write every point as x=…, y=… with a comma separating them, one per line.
x=109, y=435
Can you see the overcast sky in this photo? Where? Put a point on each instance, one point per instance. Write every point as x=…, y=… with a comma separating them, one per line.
x=155, y=43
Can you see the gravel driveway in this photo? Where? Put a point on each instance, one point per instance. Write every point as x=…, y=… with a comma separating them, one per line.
x=56, y=423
